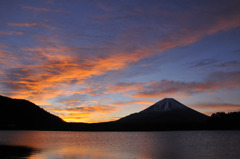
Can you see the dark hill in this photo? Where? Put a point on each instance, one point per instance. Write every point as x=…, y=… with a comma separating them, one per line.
x=22, y=114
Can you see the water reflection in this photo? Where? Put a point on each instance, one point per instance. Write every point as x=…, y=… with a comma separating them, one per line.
x=127, y=145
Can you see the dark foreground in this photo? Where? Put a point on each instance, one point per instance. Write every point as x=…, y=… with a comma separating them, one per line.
x=11, y=152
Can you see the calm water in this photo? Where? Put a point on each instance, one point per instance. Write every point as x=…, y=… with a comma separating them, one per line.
x=127, y=145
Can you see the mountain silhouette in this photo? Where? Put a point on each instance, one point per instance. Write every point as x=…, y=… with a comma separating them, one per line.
x=22, y=114
x=167, y=113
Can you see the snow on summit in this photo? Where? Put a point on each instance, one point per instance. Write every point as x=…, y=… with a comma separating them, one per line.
x=167, y=104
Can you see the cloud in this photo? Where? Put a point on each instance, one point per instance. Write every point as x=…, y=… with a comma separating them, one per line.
x=23, y=24
x=237, y=51
x=209, y=108
x=55, y=68
x=71, y=102
x=59, y=65
x=210, y=21
x=36, y=9
x=203, y=63
x=28, y=24
x=11, y=33
x=230, y=64
x=209, y=62
x=167, y=88
x=167, y=28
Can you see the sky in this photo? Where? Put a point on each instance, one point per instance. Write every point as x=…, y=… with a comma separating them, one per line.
x=100, y=60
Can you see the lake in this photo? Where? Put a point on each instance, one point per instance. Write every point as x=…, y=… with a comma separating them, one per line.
x=126, y=145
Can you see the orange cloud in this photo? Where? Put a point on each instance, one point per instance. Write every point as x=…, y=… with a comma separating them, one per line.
x=55, y=68
x=71, y=102
x=23, y=24
x=38, y=96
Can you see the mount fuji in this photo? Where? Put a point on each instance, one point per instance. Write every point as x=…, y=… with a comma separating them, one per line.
x=166, y=113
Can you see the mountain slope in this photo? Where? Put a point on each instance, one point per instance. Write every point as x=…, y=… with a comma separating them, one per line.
x=167, y=112
x=22, y=114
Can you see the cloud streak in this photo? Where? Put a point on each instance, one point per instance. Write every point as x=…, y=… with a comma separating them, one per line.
x=209, y=108
x=167, y=88
x=32, y=24
x=36, y=9
x=11, y=33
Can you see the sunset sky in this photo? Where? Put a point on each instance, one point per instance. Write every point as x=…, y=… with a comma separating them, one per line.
x=99, y=60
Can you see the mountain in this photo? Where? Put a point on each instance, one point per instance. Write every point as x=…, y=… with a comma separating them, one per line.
x=165, y=114
x=22, y=114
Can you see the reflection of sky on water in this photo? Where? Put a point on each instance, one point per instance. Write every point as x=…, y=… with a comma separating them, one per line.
x=127, y=145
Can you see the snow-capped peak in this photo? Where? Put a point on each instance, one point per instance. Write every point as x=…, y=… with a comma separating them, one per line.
x=165, y=105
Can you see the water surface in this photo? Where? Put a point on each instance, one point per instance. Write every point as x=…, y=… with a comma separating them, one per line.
x=127, y=145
